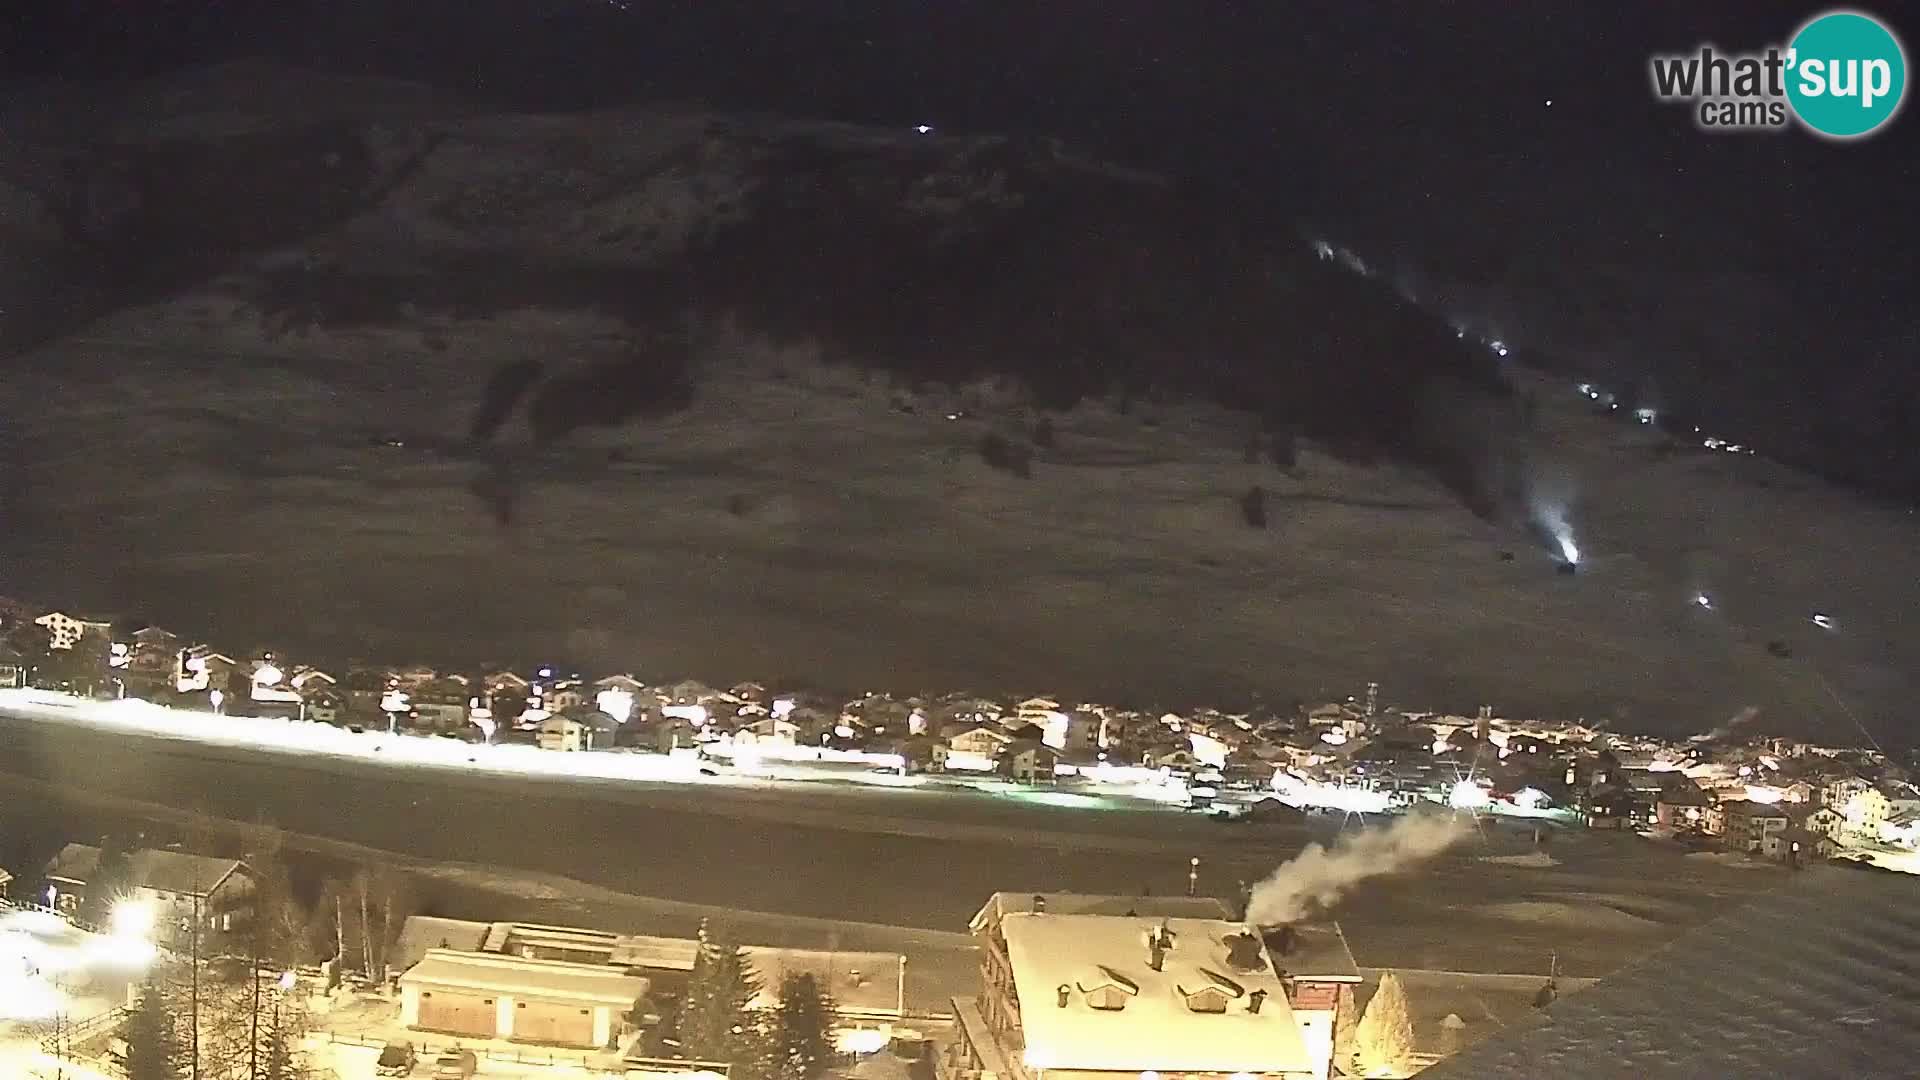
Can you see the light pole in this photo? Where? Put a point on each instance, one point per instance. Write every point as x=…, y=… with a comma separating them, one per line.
x=900, y=1001
x=1193, y=876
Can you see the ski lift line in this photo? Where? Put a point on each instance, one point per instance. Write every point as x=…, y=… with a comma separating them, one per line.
x=1844, y=707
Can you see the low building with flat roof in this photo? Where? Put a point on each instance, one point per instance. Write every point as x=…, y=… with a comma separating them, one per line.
x=494, y=996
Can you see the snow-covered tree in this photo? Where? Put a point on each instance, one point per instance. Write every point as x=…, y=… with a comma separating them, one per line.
x=1384, y=1041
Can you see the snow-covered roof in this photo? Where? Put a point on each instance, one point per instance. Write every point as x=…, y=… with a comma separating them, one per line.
x=163, y=871
x=520, y=976
x=422, y=933
x=1156, y=1027
x=1812, y=981
x=1001, y=904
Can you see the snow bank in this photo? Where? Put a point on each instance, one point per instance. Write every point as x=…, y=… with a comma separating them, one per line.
x=1539, y=860
x=1570, y=916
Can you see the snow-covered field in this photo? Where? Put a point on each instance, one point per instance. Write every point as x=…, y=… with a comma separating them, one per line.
x=186, y=460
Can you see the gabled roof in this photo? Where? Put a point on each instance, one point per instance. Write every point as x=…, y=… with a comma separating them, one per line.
x=1749, y=808
x=999, y=736
x=164, y=871
x=1816, y=980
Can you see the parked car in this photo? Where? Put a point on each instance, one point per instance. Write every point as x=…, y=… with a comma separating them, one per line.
x=396, y=1059
x=455, y=1064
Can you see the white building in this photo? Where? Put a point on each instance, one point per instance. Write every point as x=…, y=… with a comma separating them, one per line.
x=1866, y=811
x=494, y=996
x=1119, y=997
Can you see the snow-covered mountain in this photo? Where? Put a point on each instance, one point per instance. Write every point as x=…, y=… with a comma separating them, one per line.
x=291, y=349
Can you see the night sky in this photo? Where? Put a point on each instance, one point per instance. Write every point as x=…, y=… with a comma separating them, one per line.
x=1420, y=134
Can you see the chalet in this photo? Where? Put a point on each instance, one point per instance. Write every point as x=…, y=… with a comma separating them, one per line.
x=1034, y=710
x=181, y=886
x=495, y=682
x=769, y=732
x=620, y=681
x=326, y=707
x=1824, y=821
x=154, y=662
x=748, y=693
x=688, y=692
x=1839, y=789
x=444, y=703
x=65, y=630
x=667, y=734
x=577, y=729
x=410, y=678
x=1028, y=761
x=309, y=681
x=1611, y=807
x=980, y=740
x=1748, y=824
x=1681, y=806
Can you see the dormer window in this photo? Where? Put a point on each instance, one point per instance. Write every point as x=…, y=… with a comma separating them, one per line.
x=1109, y=991
x=1210, y=999
x=1213, y=995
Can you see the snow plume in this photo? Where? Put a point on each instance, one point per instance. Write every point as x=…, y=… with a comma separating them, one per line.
x=1319, y=876
x=1725, y=731
x=1547, y=504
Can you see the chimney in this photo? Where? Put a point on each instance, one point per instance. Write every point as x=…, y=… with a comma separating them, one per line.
x=1063, y=995
x=1039, y=904
x=1255, y=1000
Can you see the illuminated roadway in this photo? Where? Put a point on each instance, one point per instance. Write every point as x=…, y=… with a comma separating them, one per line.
x=917, y=856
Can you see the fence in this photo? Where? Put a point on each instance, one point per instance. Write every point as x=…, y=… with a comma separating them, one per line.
x=428, y=1050
x=28, y=905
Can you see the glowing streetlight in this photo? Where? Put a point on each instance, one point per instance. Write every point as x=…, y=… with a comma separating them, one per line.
x=1467, y=795
x=132, y=920
x=266, y=675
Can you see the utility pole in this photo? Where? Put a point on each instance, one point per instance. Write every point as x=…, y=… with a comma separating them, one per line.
x=193, y=990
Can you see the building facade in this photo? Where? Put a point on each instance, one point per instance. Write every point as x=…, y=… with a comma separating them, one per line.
x=1078, y=987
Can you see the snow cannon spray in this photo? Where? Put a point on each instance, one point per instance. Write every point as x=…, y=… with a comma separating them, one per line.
x=1319, y=876
x=1551, y=519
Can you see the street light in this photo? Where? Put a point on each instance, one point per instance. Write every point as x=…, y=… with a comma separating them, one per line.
x=132, y=920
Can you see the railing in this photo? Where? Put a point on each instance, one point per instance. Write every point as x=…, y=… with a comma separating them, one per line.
x=28, y=905
x=427, y=1051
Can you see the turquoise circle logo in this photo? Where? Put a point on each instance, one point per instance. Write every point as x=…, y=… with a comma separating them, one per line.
x=1846, y=74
